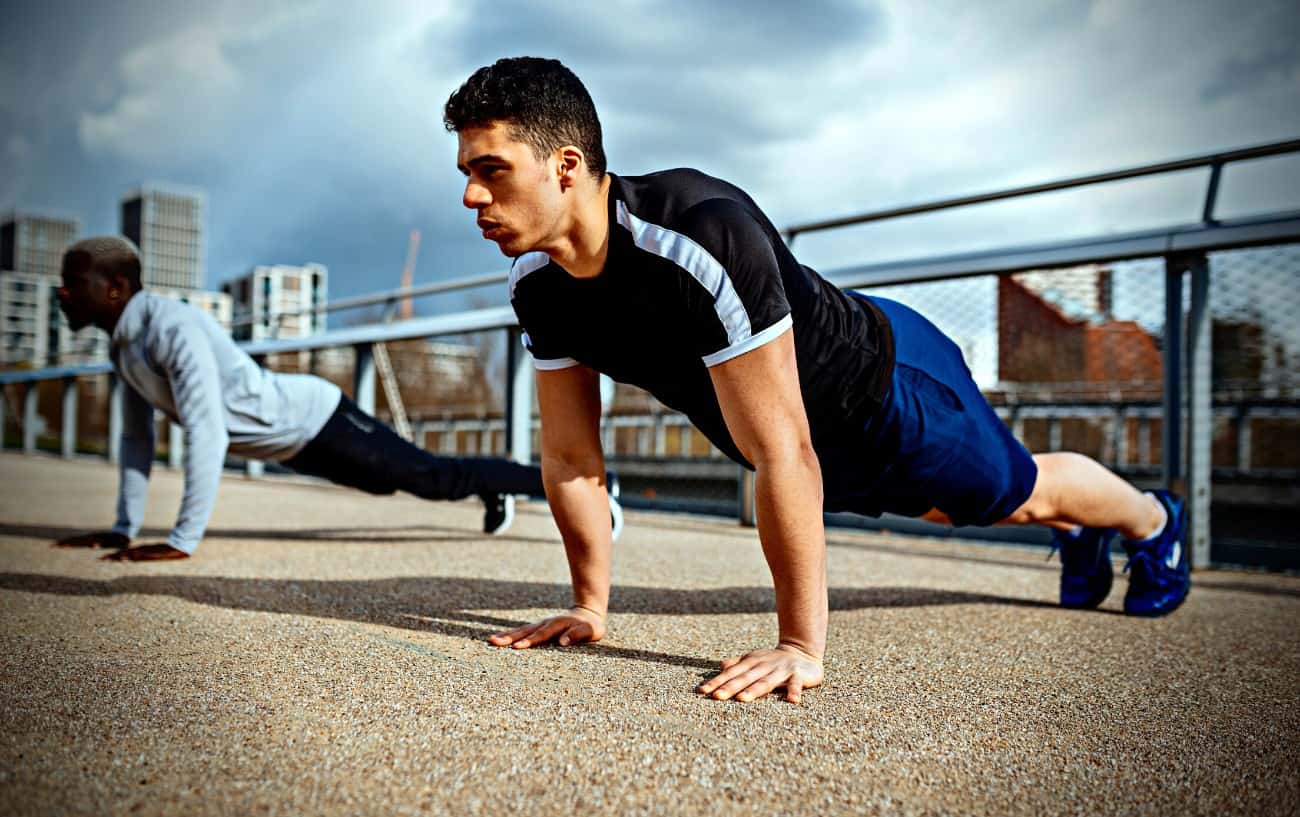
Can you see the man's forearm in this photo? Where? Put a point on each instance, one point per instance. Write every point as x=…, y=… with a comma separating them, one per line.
x=205, y=455
x=789, y=500
x=581, y=509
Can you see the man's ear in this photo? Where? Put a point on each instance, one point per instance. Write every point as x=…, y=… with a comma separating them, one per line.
x=119, y=287
x=571, y=165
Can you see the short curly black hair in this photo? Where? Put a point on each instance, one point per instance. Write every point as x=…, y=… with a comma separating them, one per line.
x=545, y=104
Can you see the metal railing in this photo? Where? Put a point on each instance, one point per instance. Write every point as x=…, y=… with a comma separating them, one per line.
x=1186, y=346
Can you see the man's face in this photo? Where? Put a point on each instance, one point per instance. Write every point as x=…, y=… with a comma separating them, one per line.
x=84, y=295
x=517, y=197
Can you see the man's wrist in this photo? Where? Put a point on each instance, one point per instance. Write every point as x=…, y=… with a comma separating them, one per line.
x=598, y=611
x=802, y=650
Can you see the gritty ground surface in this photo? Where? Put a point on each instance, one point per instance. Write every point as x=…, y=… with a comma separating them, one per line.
x=324, y=654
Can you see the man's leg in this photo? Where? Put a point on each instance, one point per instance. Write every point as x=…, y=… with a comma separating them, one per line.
x=957, y=457
x=1075, y=491
x=359, y=451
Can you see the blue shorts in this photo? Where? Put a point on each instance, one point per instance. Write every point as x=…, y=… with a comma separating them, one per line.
x=936, y=442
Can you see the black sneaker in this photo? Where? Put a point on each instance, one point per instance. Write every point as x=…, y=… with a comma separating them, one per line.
x=1159, y=571
x=1086, y=572
x=498, y=513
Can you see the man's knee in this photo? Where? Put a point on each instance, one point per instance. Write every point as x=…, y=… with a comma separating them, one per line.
x=1039, y=509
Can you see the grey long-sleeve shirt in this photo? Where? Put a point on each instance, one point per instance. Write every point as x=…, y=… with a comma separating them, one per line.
x=177, y=359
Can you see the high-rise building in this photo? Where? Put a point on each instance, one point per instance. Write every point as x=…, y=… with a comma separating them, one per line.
x=166, y=223
x=276, y=301
x=32, y=329
x=216, y=304
x=24, y=302
x=34, y=242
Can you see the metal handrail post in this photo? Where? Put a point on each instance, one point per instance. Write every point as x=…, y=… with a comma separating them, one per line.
x=31, y=414
x=1200, y=412
x=69, y=418
x=115, y=420
x=363, y=377
x=1171, y=447
x=519, y=398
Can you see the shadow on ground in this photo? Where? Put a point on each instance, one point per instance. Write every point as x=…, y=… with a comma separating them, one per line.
x=442, y=605
x=370, y=535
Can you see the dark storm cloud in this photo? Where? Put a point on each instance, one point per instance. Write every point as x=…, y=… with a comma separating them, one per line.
x=682, y=81
x=315, y=127
x=1279, y=64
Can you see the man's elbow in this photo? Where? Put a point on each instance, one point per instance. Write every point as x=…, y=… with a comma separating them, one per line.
x=794, y=451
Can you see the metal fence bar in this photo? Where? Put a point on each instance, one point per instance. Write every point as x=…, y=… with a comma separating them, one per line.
x=1243, y=439
x=115, y=398
x=389, y=297
x=363, y=377
x=519, y=399
x=31, y=416
x=1200, y=414
x=1171, y=446
x=1190, y=163
x=68, y=432
x=4, y=405
x=1212, y=193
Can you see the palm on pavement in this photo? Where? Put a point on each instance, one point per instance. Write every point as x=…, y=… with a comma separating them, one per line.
x=749, y=677
x=577, y=626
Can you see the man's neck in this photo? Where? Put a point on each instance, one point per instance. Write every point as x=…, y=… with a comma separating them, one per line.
x=585, y=245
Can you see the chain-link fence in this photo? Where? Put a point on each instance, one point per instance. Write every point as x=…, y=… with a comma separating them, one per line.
x=1074, y=358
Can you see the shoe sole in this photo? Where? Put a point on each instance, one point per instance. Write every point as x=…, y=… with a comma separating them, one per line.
x=509, y=518
x=615, y=519
x=1163, y=611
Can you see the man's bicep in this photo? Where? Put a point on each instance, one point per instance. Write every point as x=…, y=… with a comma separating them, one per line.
x=759, y=395
x=569, y=402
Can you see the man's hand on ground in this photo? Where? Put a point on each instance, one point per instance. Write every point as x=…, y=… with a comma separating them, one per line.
x=577, y=626
x=99, y=539
x=145, y=553
x=750, y=677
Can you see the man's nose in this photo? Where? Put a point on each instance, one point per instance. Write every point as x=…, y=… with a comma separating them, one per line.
x=476, y=196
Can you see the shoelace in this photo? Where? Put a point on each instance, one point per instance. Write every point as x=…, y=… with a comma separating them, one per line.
x=1148, y=566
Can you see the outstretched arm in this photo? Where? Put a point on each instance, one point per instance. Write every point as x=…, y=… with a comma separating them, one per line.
x=135, y=460
x=184, y=354
x=573, y=471
x=762, y=405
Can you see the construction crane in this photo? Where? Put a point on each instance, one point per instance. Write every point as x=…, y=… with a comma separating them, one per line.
x=383, y=365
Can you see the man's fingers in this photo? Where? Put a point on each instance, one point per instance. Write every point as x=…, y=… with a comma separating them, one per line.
x=731, y=662
x=545, y=632
x=507, y=638
x=729, y=671
x=762, y=686
x=741, y=677
x=576, y=634
x=794, y=690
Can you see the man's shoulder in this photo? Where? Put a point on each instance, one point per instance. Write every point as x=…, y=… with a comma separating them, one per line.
x=669, y=193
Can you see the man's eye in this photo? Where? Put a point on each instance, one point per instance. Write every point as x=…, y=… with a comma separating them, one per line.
x=492, y=172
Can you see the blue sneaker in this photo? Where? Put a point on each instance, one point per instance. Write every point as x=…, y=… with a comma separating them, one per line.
x=1086, y=572
x=1159, y=573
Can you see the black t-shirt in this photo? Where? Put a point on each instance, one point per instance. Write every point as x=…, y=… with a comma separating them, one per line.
x=696, y=275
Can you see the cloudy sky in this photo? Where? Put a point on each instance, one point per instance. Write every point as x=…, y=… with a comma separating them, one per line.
x=315, y=127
